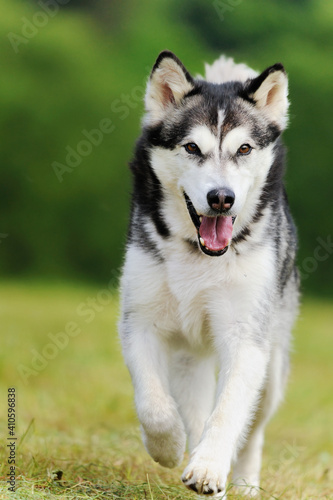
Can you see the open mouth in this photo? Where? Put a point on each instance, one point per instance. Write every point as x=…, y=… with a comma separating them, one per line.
x=214, y=233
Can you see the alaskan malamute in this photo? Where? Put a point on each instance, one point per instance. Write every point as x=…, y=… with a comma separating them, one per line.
x=209, y=286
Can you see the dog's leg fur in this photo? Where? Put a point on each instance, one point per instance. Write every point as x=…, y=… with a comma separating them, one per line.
x=162, y=429
x=243, y=371
x=193, y=387
x=246, y=471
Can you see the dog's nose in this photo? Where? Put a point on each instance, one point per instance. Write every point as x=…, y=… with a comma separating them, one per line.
x=221, y=200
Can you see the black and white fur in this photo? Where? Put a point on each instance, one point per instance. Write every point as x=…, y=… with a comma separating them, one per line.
x=190, y=312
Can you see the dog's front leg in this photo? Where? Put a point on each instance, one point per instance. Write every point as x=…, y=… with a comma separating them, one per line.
x=241, y=378
x=146, y=356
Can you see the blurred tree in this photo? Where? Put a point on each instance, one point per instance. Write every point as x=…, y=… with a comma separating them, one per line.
x=109, y=13
x=67, y=78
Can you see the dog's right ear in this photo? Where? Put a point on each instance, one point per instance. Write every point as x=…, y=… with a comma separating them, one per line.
x=169, y=82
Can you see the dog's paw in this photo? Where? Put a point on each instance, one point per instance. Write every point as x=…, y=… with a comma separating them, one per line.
x=167, y=448
x=164, y=437
x=205, y=478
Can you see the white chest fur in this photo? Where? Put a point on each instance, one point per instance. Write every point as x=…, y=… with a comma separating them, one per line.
x=179, y=297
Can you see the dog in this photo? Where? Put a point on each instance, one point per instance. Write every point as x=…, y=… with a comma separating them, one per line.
x=209, y=289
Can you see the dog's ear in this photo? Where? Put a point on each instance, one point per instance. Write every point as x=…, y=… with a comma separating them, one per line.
x=269, y=91
x=169, y=82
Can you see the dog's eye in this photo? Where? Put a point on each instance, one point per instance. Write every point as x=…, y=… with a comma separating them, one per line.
x=245, y=149
x=192, y=148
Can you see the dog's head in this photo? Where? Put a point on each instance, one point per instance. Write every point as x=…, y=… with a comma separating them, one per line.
x=213, y=145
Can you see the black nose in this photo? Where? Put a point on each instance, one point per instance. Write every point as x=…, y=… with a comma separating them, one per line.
x=221, y=200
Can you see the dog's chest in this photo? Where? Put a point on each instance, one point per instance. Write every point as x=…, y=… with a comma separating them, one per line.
x=188, y=293
x=203, y=291
x=179, y=314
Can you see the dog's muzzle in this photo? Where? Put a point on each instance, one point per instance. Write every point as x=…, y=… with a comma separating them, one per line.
x=214, y=232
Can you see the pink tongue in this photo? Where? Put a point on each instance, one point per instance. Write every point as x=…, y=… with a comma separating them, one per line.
x=216, y=232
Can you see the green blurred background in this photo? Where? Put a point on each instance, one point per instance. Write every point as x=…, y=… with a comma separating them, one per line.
x=71, y=86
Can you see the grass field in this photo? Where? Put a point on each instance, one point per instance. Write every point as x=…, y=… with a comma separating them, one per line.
x=75, y=413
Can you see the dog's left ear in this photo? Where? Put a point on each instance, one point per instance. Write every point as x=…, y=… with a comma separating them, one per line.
x=169, y=82
x=269, y=91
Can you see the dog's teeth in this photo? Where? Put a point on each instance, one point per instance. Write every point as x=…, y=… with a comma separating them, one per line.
x=202, y=241
x=200, y=219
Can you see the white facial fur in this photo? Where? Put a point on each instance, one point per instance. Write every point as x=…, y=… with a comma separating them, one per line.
x=223, y=168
